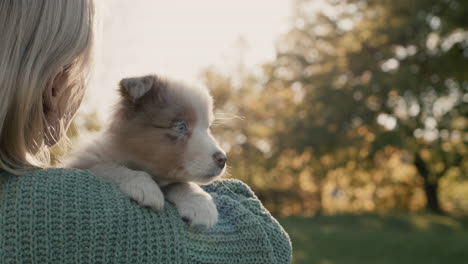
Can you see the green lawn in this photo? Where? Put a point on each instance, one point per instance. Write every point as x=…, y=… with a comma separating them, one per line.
x=378, y=239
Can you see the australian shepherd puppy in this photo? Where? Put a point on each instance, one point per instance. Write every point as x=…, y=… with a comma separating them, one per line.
x=159, y=146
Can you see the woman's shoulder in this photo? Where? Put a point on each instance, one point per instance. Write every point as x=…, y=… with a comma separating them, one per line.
x=45, y=189
x=69, y=178
x=54, y=183
x=77, y=211
x=52, y=174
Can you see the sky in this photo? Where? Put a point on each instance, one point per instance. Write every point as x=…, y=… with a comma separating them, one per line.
x=179, y=39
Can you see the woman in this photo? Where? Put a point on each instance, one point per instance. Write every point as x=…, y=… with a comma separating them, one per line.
x=71, y=216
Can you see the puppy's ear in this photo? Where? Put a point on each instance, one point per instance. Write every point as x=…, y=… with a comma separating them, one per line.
x=137, y=87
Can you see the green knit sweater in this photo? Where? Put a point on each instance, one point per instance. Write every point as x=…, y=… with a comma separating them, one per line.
x=71, y=216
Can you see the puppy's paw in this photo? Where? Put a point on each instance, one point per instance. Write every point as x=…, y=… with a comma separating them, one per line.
x=199, y=211
x=144, y=190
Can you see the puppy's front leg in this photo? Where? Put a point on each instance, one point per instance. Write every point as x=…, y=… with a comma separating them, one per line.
x=193, y=203
x=138, y=185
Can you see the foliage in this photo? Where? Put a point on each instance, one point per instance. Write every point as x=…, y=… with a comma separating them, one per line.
x=351, y=83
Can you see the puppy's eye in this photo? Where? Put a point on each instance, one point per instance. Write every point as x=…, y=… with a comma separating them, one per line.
x=180, y=127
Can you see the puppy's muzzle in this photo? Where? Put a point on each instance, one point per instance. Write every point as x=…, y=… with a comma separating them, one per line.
x=220, y=159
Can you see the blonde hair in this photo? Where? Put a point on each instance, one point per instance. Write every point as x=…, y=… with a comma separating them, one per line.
x=40, y=40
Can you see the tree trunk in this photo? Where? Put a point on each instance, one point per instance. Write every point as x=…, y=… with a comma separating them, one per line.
x=431, y=187
x=319, y=209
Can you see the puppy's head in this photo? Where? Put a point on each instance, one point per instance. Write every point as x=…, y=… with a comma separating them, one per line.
x=163, y=127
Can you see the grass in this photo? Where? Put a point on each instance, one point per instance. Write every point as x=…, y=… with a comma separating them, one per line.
x=378, y=239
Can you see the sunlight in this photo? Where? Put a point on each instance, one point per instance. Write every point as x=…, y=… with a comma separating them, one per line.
x=180, y=39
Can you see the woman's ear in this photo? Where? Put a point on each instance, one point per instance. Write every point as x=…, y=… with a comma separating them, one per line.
x=53, y=93
x=54, y=100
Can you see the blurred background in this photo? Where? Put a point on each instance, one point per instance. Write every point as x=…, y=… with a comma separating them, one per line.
x=348, y=118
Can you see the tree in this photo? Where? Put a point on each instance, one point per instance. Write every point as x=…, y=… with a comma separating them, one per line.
x=375, y=73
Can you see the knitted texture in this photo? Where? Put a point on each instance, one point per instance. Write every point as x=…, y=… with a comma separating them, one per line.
x=71, y=216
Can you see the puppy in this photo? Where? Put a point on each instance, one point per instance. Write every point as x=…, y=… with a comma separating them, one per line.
x=158, y=145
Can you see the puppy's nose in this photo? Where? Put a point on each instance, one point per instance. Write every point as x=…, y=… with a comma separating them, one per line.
x=220, y=159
